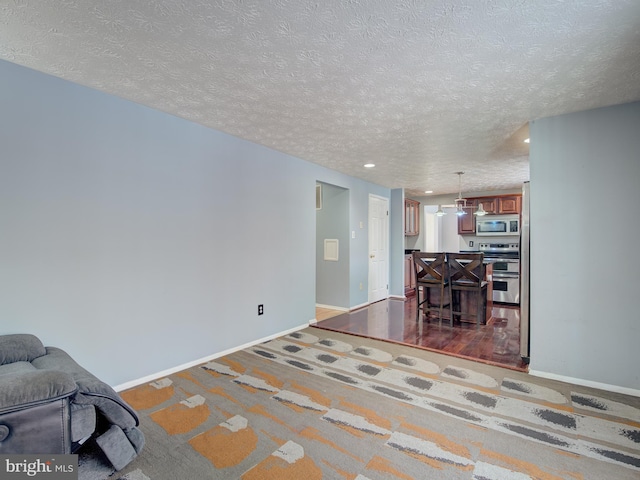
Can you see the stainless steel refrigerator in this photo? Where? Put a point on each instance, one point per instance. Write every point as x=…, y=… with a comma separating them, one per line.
x=525, y=274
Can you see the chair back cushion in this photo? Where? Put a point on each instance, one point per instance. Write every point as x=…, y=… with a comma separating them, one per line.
x=20, y=347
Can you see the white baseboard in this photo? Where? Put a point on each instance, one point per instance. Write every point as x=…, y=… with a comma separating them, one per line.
x=586, y=383
x=332, y=307
x=184, y=366
x=357, y=307
x=366, y=304
x=398, y=297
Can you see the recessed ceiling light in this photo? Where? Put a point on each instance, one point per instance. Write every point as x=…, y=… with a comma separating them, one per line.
x=428, y=191
x=526, y=140
x=369, y=165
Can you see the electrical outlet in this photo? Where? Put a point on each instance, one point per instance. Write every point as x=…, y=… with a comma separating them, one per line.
x=260, y=309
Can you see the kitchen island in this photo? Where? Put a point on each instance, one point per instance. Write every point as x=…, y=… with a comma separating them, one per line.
x=468, y=299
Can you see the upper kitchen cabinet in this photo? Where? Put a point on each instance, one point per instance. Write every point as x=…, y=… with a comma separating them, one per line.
x=509, y=204
x=411, y=217
x=499, y=205
x=489, y=204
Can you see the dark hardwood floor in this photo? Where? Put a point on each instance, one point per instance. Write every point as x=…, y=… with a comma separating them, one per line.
x=496, y=343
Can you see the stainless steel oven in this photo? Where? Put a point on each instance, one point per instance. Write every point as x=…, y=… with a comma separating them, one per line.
x=506, y=270
x=506, y=288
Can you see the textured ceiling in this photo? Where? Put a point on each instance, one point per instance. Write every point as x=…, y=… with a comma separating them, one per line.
x=422, y=89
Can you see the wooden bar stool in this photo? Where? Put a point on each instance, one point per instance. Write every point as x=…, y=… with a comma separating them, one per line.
x=431, y=273
x=467, y=274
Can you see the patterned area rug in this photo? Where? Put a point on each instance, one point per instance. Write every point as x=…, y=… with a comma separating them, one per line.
x=320, y=404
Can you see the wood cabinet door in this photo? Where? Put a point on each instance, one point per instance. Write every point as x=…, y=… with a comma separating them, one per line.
x=489, y=204
x=510, y=204
x=409, y=277
x=467, y=223
x=408, y=273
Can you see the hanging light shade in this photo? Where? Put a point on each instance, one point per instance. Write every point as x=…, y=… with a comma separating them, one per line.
x=440, y=212
x=481, y=211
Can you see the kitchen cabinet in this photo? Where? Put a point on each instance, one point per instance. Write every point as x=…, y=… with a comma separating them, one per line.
x=489, y=204
x=499, y=205
x=510, y=204
x=409, y=277
x=411, y=217
x=467, y=223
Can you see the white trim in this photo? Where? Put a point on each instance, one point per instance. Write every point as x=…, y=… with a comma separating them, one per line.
x=586, y=383
x=366, y=304
x=387, y=244
x=184, y=366
x=358, y=307
x=332, y=307
x=398, y=297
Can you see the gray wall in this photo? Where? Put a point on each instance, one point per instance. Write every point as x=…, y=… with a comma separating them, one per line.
x=138, y=241
x=332, y=222
x=584, y=275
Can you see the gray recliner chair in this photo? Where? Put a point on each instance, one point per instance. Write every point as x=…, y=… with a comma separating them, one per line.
x=51, y=405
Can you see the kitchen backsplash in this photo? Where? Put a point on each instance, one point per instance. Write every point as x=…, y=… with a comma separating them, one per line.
x=471, y=242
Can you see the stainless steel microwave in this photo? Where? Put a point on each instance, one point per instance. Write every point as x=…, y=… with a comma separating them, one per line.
x=497, y=225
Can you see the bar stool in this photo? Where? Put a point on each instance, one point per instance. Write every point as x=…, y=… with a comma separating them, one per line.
x=431, y=273
x=467, y=274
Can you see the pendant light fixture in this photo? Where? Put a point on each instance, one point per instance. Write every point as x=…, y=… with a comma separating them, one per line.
x=460, y=202
x=481, y=211
x=440, y=212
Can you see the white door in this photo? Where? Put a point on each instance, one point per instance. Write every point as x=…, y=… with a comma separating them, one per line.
x=378, y=248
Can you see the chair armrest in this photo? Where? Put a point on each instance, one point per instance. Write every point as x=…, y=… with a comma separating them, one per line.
x=23, y=390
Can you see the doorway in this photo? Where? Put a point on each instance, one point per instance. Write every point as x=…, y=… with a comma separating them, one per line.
x=332, y=247
x=378, y=248
x=441, y=233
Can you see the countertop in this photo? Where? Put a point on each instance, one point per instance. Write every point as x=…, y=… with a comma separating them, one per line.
x=409, y=251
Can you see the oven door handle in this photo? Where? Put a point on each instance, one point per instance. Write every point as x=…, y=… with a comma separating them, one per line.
x=505, y=275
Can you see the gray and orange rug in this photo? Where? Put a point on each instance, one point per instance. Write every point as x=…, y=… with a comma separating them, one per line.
x=320, y=404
